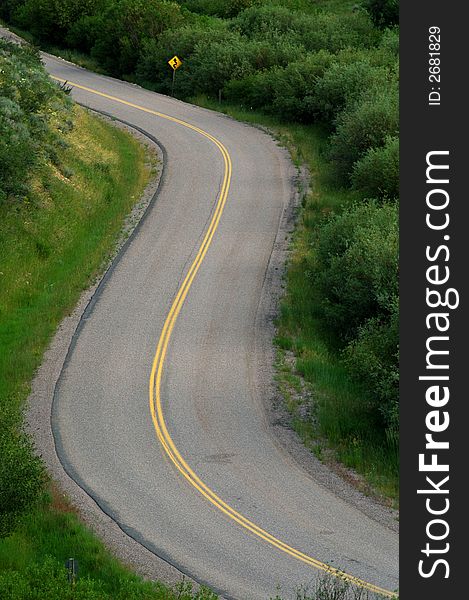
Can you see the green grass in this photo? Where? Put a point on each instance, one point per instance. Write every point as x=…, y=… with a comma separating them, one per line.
x=49, y=536
x=339, y=426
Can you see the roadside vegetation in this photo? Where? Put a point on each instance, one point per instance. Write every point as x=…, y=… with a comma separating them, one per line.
x=324, y=75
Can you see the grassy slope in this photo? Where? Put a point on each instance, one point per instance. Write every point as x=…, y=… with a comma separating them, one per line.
x=52, y=248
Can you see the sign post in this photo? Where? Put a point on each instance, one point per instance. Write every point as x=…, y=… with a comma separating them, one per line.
x=72, y=568
x=174, y=63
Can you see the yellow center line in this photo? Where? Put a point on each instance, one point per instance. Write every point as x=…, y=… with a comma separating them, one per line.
x=161, y=351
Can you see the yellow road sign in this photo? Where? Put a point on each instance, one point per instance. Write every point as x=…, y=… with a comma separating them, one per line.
x=175, y=63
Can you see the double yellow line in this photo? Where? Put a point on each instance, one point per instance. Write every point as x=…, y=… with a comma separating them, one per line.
x=161, y=351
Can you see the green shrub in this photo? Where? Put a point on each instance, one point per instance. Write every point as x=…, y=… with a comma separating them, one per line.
x=382, y=55
x=22, y=476
x=153, y=61
x=362, y=126
x=16, y=142
x=295, y=85
x=322, y=31
x=254, y=91
x=283, y=91
x=125, y=26
x=48, y=580
x=50, y=20
x=8, y=8
x=390, y=41
x=211, y=58
x=265, y=21
x=84, y=32
x=29, y=101
x=315, y=87
x=215, y=62
x=343, y=84
x=373, y=360
x=383, y=13
x=275, y=53
x=24, y=81
x=376, y=175
x=292, y=89
x=335, y=32
x=357, y=267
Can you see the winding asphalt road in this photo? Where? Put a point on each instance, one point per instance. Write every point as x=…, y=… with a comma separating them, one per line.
x=158, y=412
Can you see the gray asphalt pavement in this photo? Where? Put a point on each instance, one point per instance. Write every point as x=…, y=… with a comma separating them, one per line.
x=213, y=380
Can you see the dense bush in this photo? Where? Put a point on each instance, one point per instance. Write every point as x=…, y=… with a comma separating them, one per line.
x=356, y=274
x=357, y=266
x=286, y=92
x=29, y=101
x=50, y=20
x=372, y=359
x=49, y=579
x=8, y=8
x=16, y=157
x=376, y=175
x=390, y=41
x=152, y=65
x=343, y=84
x=84, y=32
x=254, y=91
x=217, y=59
x=322, y=31
x=335, y=32
x=268, y=21
x=125, y=26
x=294, y=87
x=219, y=8
x=362, y=126
x=215, y=62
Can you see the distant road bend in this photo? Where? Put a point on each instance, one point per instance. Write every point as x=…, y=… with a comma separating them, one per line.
x=211, y=492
